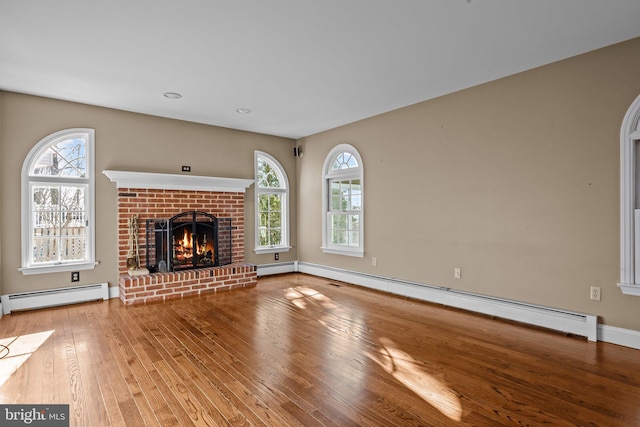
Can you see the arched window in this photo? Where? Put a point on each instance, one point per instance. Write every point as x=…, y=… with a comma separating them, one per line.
x=272, y=205
x=630, y=201
x=343, y=209
x=57, y=203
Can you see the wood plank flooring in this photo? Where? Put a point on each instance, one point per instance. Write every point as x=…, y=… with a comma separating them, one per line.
x=299, y=350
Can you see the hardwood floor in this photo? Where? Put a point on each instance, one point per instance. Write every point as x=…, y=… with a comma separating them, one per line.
x=299, y=350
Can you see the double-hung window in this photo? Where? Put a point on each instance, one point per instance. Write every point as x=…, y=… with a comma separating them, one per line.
x=272, y=199
x=57, y=203
x=342, y=202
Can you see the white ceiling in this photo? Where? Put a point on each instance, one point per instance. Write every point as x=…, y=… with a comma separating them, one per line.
x=301, y=66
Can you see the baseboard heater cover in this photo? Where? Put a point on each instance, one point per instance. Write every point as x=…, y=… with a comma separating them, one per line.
x=54, y=297
x=276, y=268
x=581, y=324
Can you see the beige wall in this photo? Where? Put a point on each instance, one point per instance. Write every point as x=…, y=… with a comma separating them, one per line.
x=515, y=181
x=124, y=141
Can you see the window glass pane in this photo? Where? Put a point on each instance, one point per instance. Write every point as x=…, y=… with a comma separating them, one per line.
x=344, y=161
x=354, y=238
x=345, y=229
x=355, y=195
x=270, y=219
x=339, y=237
x=338, y=229
x=263, y=237
x=345, y=195
x=352, y=162
x=269, y=202
x=44, y=246
x=275, y=220
x=356, y=202
x=264, y=219
x=263, y=203
x=354, y=222
x=275, y=202
x=336, y=196
x=267, y=175
x=59, y=223
x=65, y=158
x=338, y=222
x=72, y=243
x=275, y=237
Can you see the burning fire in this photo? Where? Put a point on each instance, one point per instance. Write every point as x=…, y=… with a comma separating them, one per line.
x=187, y=240
x=184, y=248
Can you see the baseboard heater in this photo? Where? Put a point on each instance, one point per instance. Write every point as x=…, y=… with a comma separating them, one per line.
x=54, y=297
x=581, y=324
x=276, y=268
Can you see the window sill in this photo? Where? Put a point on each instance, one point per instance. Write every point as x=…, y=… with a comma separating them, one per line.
x=347, y=252
x=272, y=249
x=628, y=289
x=57, y=268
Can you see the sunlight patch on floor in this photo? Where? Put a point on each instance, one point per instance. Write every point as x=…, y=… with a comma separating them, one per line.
x=15, y=351
x=399, y=364
x=301, y=297
x=407, y=370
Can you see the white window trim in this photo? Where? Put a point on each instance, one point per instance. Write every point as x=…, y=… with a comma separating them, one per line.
x=327, y=175
x=285, y=247
x=26, y=218
x=629, y=214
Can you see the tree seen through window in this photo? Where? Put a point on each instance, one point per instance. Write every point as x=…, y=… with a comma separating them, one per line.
x=57, y=179
x=271, y=201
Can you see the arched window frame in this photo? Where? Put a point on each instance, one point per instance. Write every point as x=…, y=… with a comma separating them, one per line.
x=282, y=192
x=29, y=180
x=331, y=175
x=630, y=201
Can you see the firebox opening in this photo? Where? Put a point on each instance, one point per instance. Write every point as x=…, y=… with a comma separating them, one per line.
x=188, y=240
x=192, y=248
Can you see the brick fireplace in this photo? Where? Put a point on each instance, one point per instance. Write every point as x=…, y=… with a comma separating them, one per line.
x=156, y=196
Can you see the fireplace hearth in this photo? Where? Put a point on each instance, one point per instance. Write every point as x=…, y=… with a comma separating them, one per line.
x=188, y=240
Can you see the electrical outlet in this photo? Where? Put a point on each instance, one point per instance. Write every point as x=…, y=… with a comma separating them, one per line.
x=186, y=168
x=276, y=256
x=75, y=276
x=595, y=293
x=457, y=273
x=374, y=261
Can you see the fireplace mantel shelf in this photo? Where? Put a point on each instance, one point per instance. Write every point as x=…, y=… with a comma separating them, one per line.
x=159, y=181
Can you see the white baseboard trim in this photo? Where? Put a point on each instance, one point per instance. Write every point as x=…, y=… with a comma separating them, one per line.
x=620, y=336
x=548, y=317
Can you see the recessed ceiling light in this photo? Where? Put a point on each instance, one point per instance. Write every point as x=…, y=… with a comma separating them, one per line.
x=243, y=110
x=172, y=95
